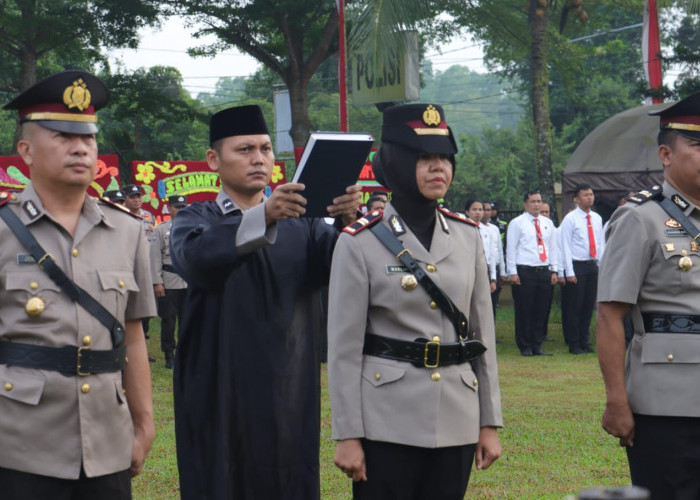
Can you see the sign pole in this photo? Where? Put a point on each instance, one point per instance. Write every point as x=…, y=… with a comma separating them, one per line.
x=342, y=88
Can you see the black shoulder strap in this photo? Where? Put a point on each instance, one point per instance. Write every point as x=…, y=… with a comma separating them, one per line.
x=392, y=243
x=47, y=263
x=674, y=211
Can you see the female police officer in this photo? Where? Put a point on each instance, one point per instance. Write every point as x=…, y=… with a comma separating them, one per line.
x=412, y=406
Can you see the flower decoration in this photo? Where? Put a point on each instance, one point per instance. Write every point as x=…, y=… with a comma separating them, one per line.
x=276, y=174
x=145, y=173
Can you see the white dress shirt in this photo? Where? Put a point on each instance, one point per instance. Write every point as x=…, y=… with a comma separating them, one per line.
x=487, y=237
x=498, y=243
x=574, y=238
x=522, y=247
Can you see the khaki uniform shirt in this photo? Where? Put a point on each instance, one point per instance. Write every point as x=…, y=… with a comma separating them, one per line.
x=160, y=255
x=149, y=224
x=641, y=267
x=51, y=423
x=393, y=401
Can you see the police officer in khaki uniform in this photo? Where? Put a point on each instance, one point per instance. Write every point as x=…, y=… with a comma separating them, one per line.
x=76, y=418
x=170, y=289
x=411, y=428
x=651, y=265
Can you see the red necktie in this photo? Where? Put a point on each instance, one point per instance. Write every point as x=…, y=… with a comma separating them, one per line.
x=591, y=238
x=540, y=242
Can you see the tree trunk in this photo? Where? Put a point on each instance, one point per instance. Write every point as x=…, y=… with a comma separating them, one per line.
x=540, y=105
x=299, y=99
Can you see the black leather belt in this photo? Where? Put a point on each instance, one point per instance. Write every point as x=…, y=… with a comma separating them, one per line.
x=536, y=269
x=68, y=360
x=422, y=352
x=671, y=323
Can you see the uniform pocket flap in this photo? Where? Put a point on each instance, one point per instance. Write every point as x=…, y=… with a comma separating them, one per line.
x=469, y=379
x=378, y=374
x=671, y=348
x=121, y=281
x=32, y=281
x=19, y=386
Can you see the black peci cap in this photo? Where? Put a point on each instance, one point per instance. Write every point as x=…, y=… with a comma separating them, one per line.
x=114, y=195
x=421, y=127
x=683, y=117
x=65, y=102
x=241, y=120
x=177, y=201
x=132, y=189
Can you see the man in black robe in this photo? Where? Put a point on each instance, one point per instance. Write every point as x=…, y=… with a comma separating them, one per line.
x=246, y=383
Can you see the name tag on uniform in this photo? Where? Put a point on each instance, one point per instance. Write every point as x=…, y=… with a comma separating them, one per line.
x=676, y=232
x=396, y=269
x=25, y=258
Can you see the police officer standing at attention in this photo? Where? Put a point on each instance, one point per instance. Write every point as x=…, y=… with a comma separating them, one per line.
x=652, y=265
x=170, y=289
x=415, y=398
x=76, y=419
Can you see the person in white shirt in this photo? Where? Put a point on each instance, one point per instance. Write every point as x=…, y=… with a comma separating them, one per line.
x=582, y=246
x=545, y=212
x=531, y=264
x=500, y=257
x=474, y=209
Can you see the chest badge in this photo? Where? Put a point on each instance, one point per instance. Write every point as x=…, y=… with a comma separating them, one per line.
x=34, y=307
x=685, y=263
x=694, y=246
x=672, y=223
x=409, y=282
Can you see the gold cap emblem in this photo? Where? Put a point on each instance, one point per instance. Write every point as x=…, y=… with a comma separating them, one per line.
x=431, y=116
x=409, y=282
x=34, y=307
x=77, y=96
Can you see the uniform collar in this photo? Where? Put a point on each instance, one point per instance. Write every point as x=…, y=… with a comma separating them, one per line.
x=226, y=204
x=440, y=247
x=32, y=209
x=670, y=192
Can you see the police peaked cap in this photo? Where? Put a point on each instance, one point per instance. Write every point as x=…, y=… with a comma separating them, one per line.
x=132, y=189
x=241, y=120
x=683, y=117
x=114, y=195
x=421, y=127
x=65, y=102
x=177, y=201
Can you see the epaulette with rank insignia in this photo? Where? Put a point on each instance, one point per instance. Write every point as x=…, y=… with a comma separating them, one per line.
x=456, y=216
x=367, y=220
x=111, y=204
x=653, y=193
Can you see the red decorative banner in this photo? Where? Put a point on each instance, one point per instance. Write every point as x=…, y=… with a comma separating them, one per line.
x=14, y=174
x=194, y=179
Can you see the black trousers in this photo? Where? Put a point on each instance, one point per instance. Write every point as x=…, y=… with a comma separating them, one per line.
x=577, y=303
x=401, y=472
x=170, y=309
x=665, y=457
x=16, y=485
x=532, y=300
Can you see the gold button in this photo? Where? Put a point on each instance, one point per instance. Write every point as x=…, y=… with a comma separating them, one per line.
x=431, y=268
x=121, y=284
x=377, y=376
x=34, y=307
x=85, y=388
x=33, y=285
x=13, y=197
x=8, y=386
x=87, y=340
x=436, y=338
x=3, y=195
x=433, y=304
x=75, y=252
x=669, y=357
x=476, y=382
x=435, y=376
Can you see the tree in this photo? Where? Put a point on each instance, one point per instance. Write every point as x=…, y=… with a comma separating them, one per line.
x=290, y=37
x=74, y=29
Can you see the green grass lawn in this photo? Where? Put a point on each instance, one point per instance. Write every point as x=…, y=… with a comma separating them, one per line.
x=553, y=445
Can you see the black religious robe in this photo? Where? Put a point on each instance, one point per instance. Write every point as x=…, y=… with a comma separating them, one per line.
x=247, y=373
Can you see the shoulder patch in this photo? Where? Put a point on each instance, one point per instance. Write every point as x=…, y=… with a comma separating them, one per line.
x=459, y=217
x=653, y=193
x=367, y=220
x=107, y=203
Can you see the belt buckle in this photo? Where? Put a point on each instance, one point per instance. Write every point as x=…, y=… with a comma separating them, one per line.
x=426, y=351
x=47, y=256
x=79, y=357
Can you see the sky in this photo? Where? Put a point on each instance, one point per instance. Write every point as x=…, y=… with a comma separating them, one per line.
x=168, y=44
